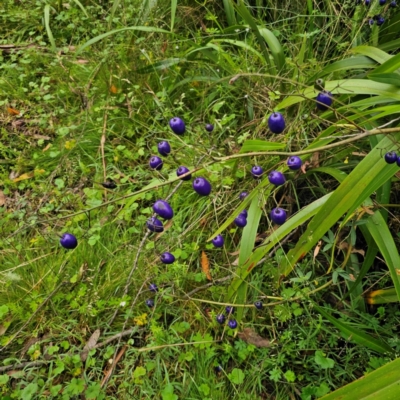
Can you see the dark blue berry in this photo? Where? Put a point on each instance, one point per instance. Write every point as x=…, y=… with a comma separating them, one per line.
x=278, y=215
x=202, y=186
x=183, y=170
x=324, y=100
x=220, y=318
x=150, y=303
x=391, y=157
x=218, y=241
x=209, y=127
x=232, y=324
x=258, y=305
x=153, y=287
x=276, y=178
x=243, y=195
x=240, y=221
x=257, y=171
x=229, y=310
x=294, y=162
x=164, y=148
x=276, y=123
x=177, y=125
x=167, y=258
x=156, y=163
x=154, y=225
x=68, y=241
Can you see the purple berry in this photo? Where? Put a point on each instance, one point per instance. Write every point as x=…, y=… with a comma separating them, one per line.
x=177, y=125
x=393, y=4
x=218, y=241
x=153, y=287
x=167, y=258
x=150, y=303
x=278, y=215
x=276, y=178
x=68, y=241
x=380, y=21
x=209, y=127
x=164, y=148
x=229, y=309
x=202, y=186
x=154, y=225
x=163, y=209
x=324, y=100
x=217, y=369
x=183, y=170
x=371, y=21
x=232, y=324
x=156, y=163
x=398, y=161
x=258, y=305
x=220, y=318
x=244, y=213
x=382, y=2
x=276, y=123
x=243, y=195
x=240, y=221
x=257, y=171
x=367, y=2
x=294, y=162
x=391, y=157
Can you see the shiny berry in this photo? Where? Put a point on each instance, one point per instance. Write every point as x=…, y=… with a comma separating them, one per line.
x=156, y=163
x=209, y=127
x=150, y=303
x=257, y=171
x=202, y=186
x=183, y=170
x=220, y=318
x=276, y=178
x=177, y=125
x=294, y=162
x=163, y=209
x=154, y=225
x=164, y=148
x=218, y=241
x=232, y=324
x=243, y=195
x=258, y=305
x=109, y=184
x=380, y=21
x=68, y=241
x=324, y=100
x=244, y=213
x=167, y=258
x=367, y=2
x=240, y=221
x=278, y=215
x=153, y=287
x=393, y=4
x=382, y=2
x=276, y=123
x=391, y=157
x=229, y=310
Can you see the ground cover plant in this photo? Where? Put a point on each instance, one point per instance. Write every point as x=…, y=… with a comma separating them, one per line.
x=199, y=199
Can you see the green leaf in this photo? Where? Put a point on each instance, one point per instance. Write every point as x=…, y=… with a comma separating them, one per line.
x=3, y=310
x=350, y=333
x=322, y=361
x=48, y=29
x=275, y=47
x=160, y=65
x=382, y=296
x=261, y=145
x=360, y=62
x=173, y=13
x=168, y=393
x=229, y=12
x=389, y=78
x=236, y=376
x=383, y=383
x=139, y=371
x=391, y=65
x=376, y=54
x=94, y=392
x=29, y=391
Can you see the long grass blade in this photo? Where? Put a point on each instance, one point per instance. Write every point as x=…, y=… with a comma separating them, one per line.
x=173, y=13
x=48, y=29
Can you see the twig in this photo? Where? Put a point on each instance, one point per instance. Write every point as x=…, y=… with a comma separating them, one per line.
x=216, y=281
x=102, y=142
x=113, y=365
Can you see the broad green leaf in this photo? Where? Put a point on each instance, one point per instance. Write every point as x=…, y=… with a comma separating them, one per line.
x=48, y=29
x=274, y=46
x=160, y=65
x=382, y=296
x=389, y=78
x=229, y=12
x=360, y=62
x=383, y=383
x=173, y=13
x=241, y=44
x=79, y=4
x=376, y=54
x=352, y=334
x=113, y=32
x=393, y=45
x=261, y=145
x=349, y=86
x=391, y=65
x=366, y=177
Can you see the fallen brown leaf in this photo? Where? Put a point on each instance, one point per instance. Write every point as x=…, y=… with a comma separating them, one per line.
x=90, y=344
x=2, y=198
x=251, y=337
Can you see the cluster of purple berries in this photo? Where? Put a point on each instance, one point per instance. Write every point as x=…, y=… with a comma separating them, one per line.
x=220, y=318
x=392, y=158
x=378, y=18
x=153, y=288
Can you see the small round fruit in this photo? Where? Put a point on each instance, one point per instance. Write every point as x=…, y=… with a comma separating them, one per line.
x=294, y=162
x=276, y=123
x=164, y=148
x=244, y=213
x=229, y=309
x=154, y=225
x=391, y=157
x=367, y=2
x=257, y=171
x=156, y=163
x=393, y=4
x=371, y=21
x=380, y=21
x=150, y=303
x=209, y=127
x=382, y=2
x=202, y=186
x=324, y=100
x=153, y=287
x=218, y=241
x=109, y=184
x=220, y=318
x=163, y=209
x=240, y=221
x=276, y=178
x=398, y=161
x=278, y=215
x=232, y=324
x=243, y=195
x=217, y=369
x=183, y=170
x=258, y=305
x=177, y=125
x=68, y=241
x=167, y=258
